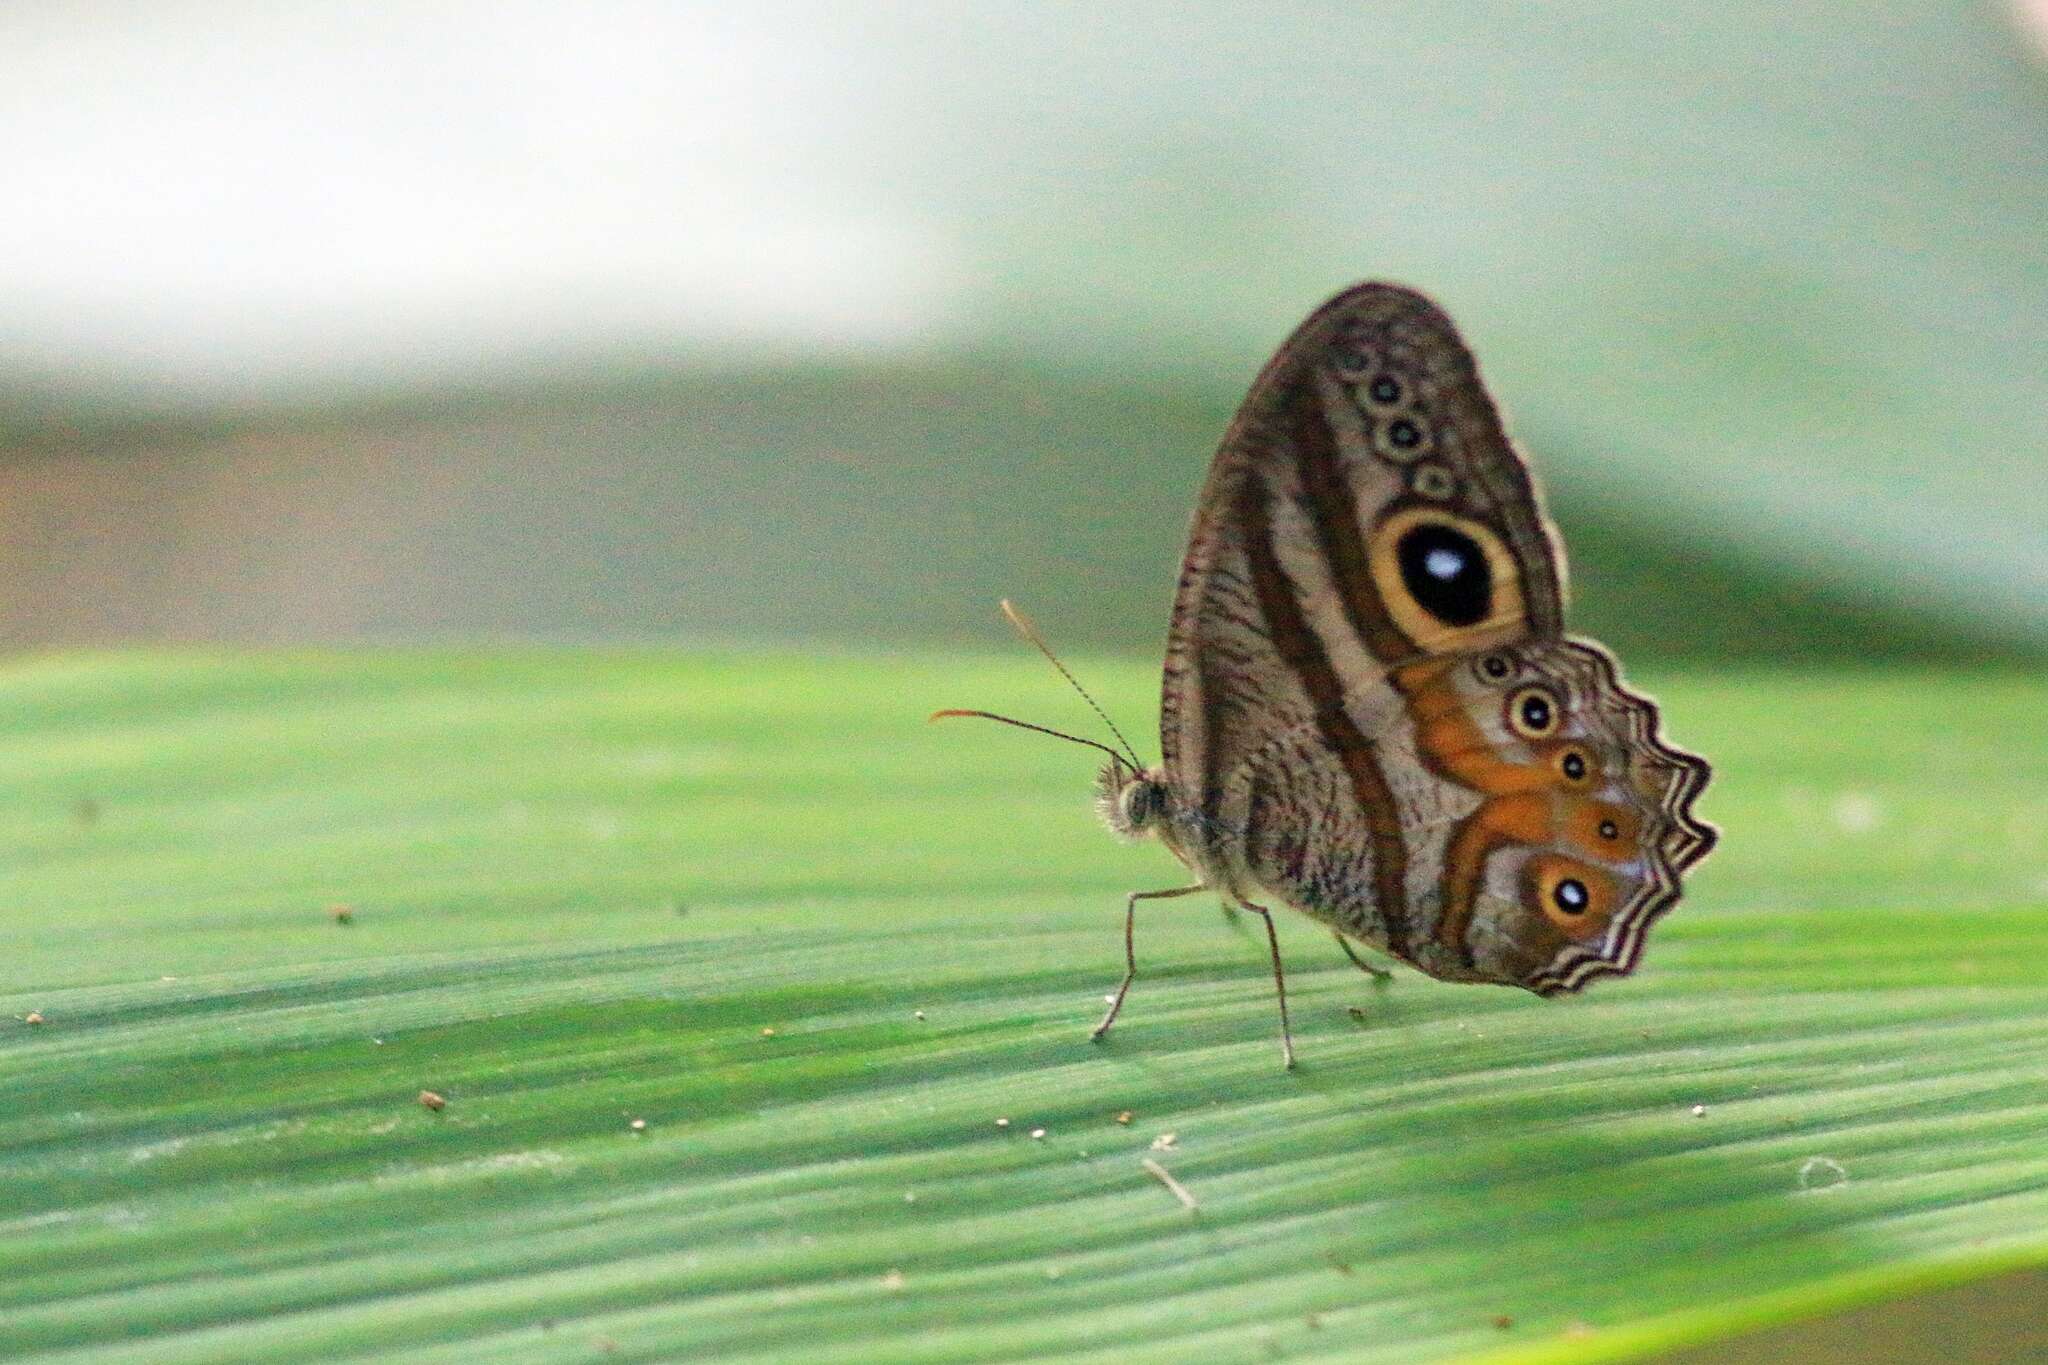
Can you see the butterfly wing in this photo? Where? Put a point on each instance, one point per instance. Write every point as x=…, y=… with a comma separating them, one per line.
x=1367, y=545
x=1366, y=444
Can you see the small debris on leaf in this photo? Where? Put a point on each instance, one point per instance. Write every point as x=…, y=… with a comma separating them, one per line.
x=1503, y=1322
x=32, y=1017
x=767, y=1033
x=1699, y=1111
x=433, y=1101
x=1002, y=1123
x=639, y=1125
x=917, y=1014
x=1038, y=1133
x=1818, y=1173
x=86, y=812
x=1165, y=1142
x=342, y=914
x=1124, y=1118
x=893, y=1282
x=1174, y=1187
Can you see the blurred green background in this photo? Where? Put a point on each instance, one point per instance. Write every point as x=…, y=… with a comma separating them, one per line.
x=832, y=320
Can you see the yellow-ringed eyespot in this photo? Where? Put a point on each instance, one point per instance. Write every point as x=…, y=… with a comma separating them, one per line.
x=1575, y=898
x=1575, y=765
x=1533, y=713
x=1404, y=439
x=1496, y=667
x=1432, y=481
x=1384, y=391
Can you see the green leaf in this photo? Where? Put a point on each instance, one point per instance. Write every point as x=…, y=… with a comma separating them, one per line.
x=583, y=887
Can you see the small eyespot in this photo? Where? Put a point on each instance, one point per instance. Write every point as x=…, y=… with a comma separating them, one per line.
x=1609, y=830
x=1404, y=434
x=1352, y=356
x=1532, y=713
x=1572, y=764
x=1384, y=390
x=1433, y=481
x=1495, y=666
x=1570, y=896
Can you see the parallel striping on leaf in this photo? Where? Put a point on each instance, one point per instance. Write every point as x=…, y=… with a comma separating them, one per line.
x=211, y=1166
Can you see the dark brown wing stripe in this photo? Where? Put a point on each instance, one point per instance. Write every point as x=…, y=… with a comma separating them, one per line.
x=1296, y=643
x=1335, y=515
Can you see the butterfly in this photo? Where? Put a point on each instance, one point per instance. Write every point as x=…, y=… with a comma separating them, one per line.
x=1370, y=710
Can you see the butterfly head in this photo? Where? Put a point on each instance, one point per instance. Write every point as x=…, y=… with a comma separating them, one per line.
x=1585, y=825
x=1132, y=802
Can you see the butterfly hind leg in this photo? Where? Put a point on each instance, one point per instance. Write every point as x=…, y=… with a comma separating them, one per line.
x=1279, y=982
x=1130, y=948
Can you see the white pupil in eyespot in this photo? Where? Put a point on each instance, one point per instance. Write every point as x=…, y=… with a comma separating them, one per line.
x=1443, y=564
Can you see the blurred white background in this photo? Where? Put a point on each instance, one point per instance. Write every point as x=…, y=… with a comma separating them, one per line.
x=1767, y=281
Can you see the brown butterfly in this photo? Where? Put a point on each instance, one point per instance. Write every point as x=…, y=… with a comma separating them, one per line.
x=1371, y=711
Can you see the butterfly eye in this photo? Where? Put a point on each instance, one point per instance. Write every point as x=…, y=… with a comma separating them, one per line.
x=1532, y=713
x=1140, y=802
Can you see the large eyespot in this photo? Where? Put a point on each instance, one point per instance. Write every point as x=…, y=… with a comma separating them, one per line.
x=1533, y=713
x=1576, y=899
x=1446, y=573
x=1448, y=581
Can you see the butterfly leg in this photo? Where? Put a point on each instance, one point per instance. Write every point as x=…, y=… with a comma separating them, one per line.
x=1131, y=950
x=1376, y=973
x=1279, y=982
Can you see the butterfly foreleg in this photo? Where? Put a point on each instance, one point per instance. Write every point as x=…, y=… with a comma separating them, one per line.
x=1279, y=982
x=1131, y=950
x=1376, y=973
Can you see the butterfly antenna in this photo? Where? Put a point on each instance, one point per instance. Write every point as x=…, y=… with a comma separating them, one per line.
x=1030, y=632
x=1027, y=725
